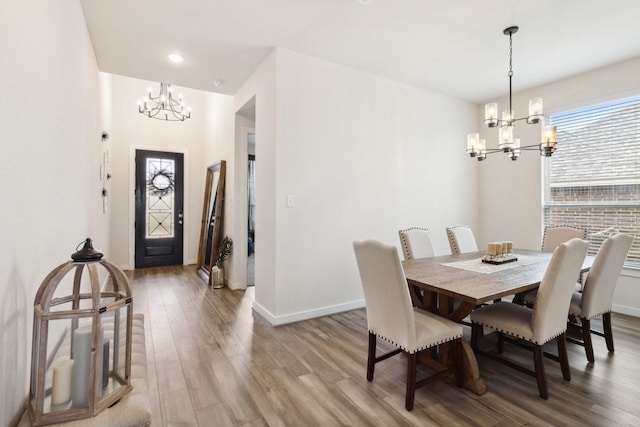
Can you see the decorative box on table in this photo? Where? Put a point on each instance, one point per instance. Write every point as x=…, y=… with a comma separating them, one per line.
x=81, y=352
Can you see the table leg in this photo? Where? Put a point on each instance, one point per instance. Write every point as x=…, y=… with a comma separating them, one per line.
x=423, y=300
x=417, y=297
x=472, y=379
x=440, y=359
x=457, y=312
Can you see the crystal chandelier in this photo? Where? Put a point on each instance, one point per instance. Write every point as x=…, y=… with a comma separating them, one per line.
x=164, y=106
x=477, y=148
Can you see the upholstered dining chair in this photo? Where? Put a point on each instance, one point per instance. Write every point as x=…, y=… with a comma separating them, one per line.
x=596, y=297
x=542, y=323
x=554, y=235
x=461, y=239
x=391, y=317
x=416, y=243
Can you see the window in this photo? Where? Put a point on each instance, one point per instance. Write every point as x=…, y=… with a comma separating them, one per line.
x=593, y=179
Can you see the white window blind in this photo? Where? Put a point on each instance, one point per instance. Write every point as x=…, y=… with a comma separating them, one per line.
x=593, y=179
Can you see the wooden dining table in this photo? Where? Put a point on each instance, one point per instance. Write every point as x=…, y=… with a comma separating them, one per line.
x=453, y=285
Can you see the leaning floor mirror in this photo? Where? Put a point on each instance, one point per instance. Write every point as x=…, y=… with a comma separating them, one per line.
x=212, y=217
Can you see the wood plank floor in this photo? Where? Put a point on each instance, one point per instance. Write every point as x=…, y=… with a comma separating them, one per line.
x=213, y=362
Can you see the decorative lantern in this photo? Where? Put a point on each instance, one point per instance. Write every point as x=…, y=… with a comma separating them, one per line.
x=81, y=354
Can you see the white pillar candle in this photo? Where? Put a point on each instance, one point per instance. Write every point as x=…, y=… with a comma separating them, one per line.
x=62, y=380
x=81, y=365
x=491, y=249
x=509, y=247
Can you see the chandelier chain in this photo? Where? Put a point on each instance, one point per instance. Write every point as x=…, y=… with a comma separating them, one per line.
x=510, y=78
x=510, y=56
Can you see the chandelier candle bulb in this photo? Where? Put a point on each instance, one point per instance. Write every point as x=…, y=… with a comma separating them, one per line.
x=548, y=135
x=507, y=118
x=491, y=114
x=506, y=138
x=482, y=150
x=548, y=141
x=515, y=153
x=535, y=110
x=473, y=140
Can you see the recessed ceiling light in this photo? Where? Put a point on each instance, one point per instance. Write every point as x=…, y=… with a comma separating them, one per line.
x=218, y=83
x=174, y=57
x=363, y=1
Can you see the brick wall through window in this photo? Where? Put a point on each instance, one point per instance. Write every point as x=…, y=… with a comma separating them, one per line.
x=593, y=179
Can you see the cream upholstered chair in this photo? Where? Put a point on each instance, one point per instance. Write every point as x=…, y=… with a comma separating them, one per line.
x=391, y=317
x=596, y=297
x=597, y=294
x=553, y=236
x=461, y=239
x=546, y=321
x=416, y=243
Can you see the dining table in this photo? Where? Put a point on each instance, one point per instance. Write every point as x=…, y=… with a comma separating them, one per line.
x=454, y=285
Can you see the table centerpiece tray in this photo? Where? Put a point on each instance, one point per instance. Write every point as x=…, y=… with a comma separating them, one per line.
x=498, y=260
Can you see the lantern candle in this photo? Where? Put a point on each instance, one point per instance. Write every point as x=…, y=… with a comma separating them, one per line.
x=81, y=365
x=61, y=386
x=105, y=363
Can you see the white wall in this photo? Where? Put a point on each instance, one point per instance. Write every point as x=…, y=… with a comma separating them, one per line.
x=363, y=158
x=132, y=130
x=510, y=192
x=263, y=86
x=51, y=146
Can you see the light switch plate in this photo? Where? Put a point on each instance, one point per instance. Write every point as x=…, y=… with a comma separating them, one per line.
x=291, y=200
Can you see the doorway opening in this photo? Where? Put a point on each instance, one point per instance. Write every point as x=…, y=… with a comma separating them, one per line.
x=251, y=208
x=246, y=229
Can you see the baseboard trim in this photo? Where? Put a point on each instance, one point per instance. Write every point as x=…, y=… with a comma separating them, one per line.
x=234, y=286
x=305, y=315
x=631, y=311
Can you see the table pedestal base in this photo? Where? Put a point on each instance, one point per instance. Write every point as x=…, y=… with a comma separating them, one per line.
x=472, y=380
x=445, y=307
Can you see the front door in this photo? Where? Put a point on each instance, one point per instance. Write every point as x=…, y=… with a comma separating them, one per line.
x=159, y=208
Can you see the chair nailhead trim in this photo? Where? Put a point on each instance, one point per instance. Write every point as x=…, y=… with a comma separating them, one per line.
x=518, y=336
x=403, y=348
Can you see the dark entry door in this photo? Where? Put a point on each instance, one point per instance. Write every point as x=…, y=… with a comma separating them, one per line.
x=159, y=208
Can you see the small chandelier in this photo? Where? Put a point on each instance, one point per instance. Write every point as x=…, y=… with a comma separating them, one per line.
x=477, y=148
x=164, y=106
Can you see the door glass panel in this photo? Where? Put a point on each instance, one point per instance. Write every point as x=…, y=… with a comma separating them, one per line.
x=160, y=198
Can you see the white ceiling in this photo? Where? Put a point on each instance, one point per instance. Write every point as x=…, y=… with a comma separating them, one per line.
x=454, y=47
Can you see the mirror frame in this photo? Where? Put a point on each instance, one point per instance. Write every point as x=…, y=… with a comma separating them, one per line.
x=204, y=265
